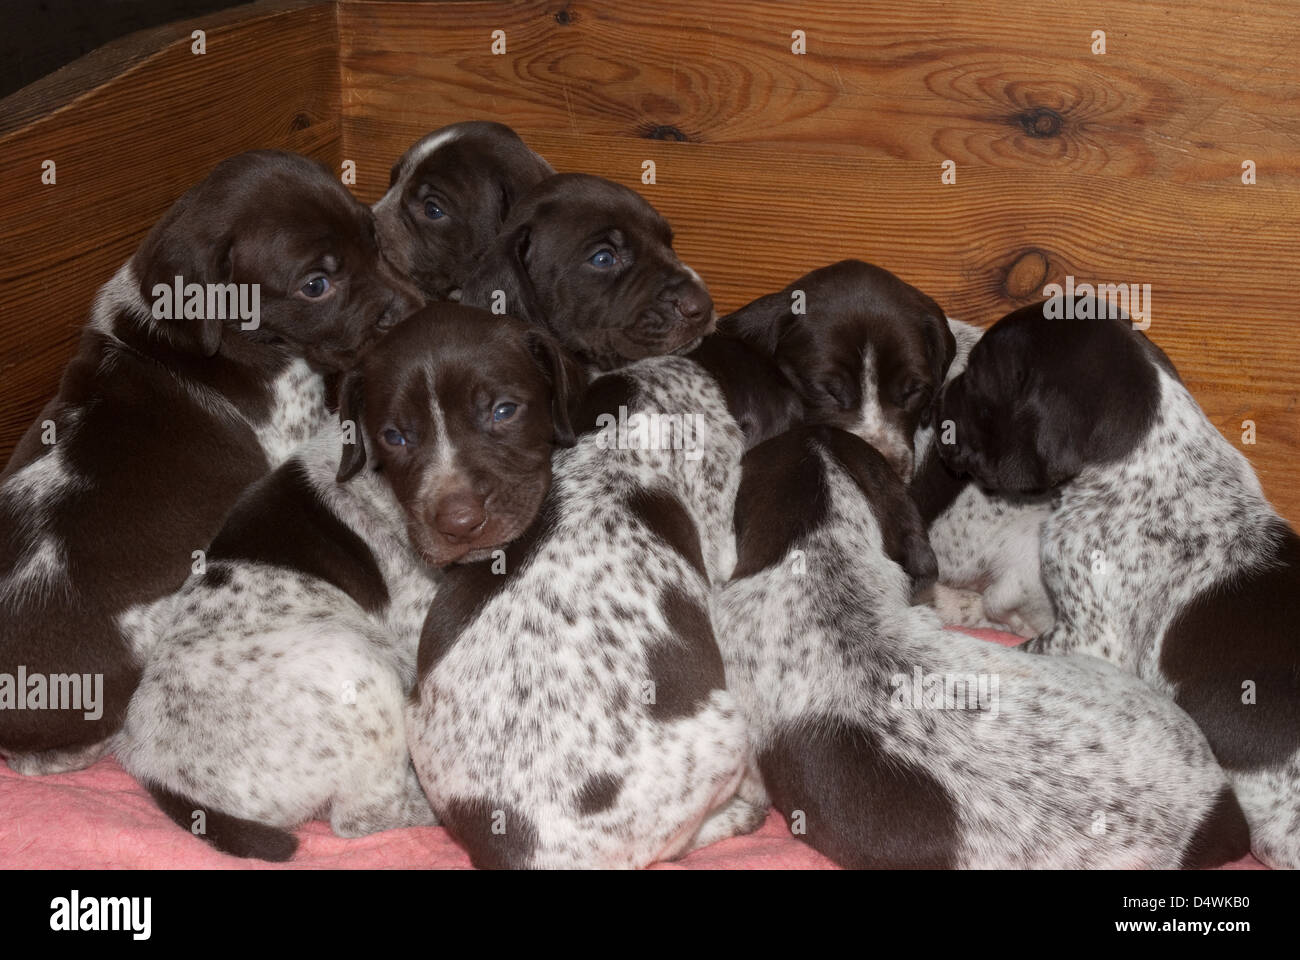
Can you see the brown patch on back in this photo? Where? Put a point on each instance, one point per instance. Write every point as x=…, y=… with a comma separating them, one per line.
x=1243, y=630
x=496, y=836
x=687, y=666
x=1222, y=837
x=864, y=808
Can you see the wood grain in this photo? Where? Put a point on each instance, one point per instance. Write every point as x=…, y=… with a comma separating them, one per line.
x=125, y=148
x=1120, y=168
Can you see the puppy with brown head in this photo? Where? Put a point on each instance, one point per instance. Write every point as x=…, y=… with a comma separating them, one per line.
x=275, y=692
x=200, y=369
x=867, y=354
x=592, y=262
x=447, y=198
x=463, y=433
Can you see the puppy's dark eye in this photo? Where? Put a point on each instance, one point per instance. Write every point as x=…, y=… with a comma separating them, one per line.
x=316, y=287
x=433, y=211
x=603, y=259
x=837, y=392
x=394, y=438
x=503, y=412
x=913, y=393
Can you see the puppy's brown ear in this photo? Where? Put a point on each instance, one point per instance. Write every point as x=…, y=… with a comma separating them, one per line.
x=940, y=349
x=503, y=273
x=352, y=411
x=568, y=382
x=940, y=346
x=183, y=244
x=905, y=539
x=761, y=323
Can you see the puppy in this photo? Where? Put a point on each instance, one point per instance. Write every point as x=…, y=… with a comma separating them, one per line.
x=1161, y=553
x=275, y=691
x=160, y=423
x=986, y=543
x=570, y=709
x=592, y=262
x=447, y=198
x=892, y=743
x=867, y=353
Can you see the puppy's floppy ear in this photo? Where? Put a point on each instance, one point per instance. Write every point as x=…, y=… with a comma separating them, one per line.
x=905, y=539
x=940, y=349
x=181, y=245
x=567, y=378
x=352, y=408
x=758, y=395
x=504, y=267
x=760, y=323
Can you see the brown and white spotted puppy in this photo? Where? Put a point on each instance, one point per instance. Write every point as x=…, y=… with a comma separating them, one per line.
x=593, y=262
x=159, y=424
x=868, y=353
x=894, y=743
x=1160, y=550
x=571, y=709
x=276, y=687
x=447, y=198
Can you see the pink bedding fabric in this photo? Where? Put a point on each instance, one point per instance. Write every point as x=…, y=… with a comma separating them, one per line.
x=100, y=818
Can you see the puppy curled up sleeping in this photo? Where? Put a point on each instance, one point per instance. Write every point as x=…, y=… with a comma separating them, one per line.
x=894, y=743
x=163, y=417
x=1161, y=552
x=275, y=691
x=868, y=353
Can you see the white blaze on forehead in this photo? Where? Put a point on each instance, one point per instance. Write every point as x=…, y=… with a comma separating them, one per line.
x=873, y=425
x=422, y=150
x=442, y=470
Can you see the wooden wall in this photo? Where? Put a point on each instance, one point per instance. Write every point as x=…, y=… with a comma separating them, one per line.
x=1122, y=167
x=130, y=128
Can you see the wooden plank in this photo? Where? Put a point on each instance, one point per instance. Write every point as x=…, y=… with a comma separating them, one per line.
x=1184, y=92
x=125, y=148
x=1221, y=265
x=1123, y=168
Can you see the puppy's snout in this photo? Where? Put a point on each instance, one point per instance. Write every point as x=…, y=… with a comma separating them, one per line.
x=459, y=516
x=690, y=300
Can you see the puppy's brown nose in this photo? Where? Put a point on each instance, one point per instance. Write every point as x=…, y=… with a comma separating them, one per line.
x=692, y=303
x=459, y=516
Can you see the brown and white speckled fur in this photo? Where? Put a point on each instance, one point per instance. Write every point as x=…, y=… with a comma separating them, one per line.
x=273, y=697
x=986, y=543
x=1078, y=765
x=533, y=730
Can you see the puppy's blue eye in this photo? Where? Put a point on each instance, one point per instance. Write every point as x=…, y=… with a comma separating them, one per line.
x=394, y=438
x=503, y=411
x=315, y=287
x=602, y=259
x=433, y=211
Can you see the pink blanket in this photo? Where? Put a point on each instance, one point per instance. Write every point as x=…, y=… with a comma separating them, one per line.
x=101, y=818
